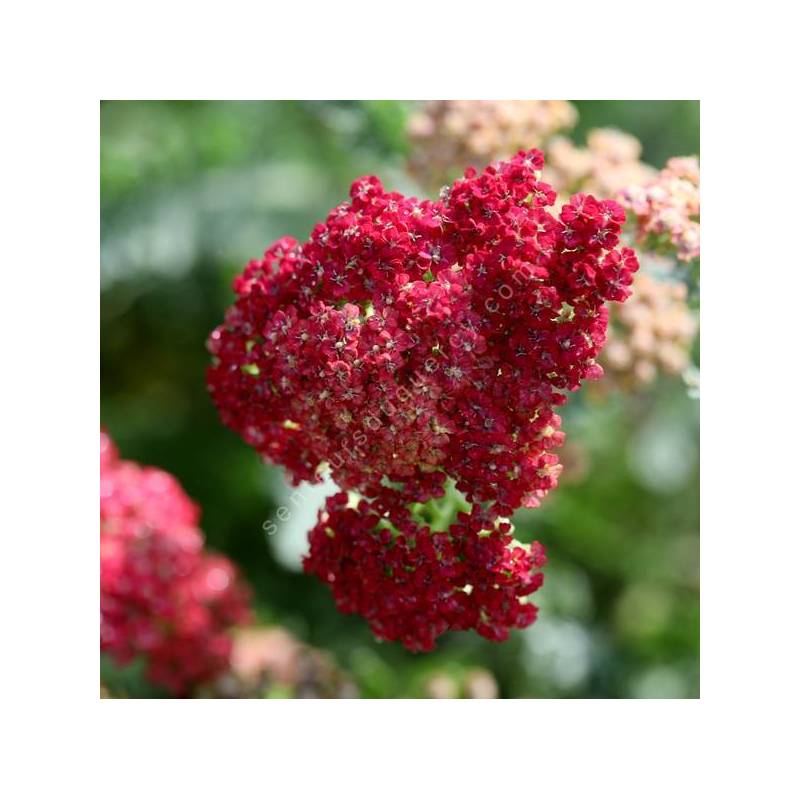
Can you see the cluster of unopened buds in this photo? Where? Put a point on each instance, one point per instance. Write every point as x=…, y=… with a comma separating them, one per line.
x=666, y=209
x=449, y=135
x=413, y=348
x=650, y=334
x=163, y=598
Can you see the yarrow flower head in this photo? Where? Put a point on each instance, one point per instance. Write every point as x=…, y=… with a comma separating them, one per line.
x=667, y=208
x=449, y=135
x=409, y=343
x=650, y=334
x=162, y=597
x=609, y=163
x=412, y=584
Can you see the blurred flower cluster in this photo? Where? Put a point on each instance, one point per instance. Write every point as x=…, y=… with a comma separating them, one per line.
x=471, y=684
x=167, y=602
x=271, y=662
x=667, y=208
x=651, y=334
x=163, y=598
x=447, y=136
x=609, y=163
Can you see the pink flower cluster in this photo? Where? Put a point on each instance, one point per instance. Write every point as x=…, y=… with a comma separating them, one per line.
x=669, y=206
x=162, y=597
x=409, y=342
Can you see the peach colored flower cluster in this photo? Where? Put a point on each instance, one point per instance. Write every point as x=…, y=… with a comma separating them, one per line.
x=609, y=163
x=651, y=334
x=447, y=136
x=269, y=662
x=668, y=207
x=475, y=684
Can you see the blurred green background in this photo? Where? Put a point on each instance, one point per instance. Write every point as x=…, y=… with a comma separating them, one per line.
x=189, y=192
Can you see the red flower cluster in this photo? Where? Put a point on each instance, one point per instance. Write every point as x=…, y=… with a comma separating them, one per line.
x=411, y=341
x=413, y=584
x=161, y=596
